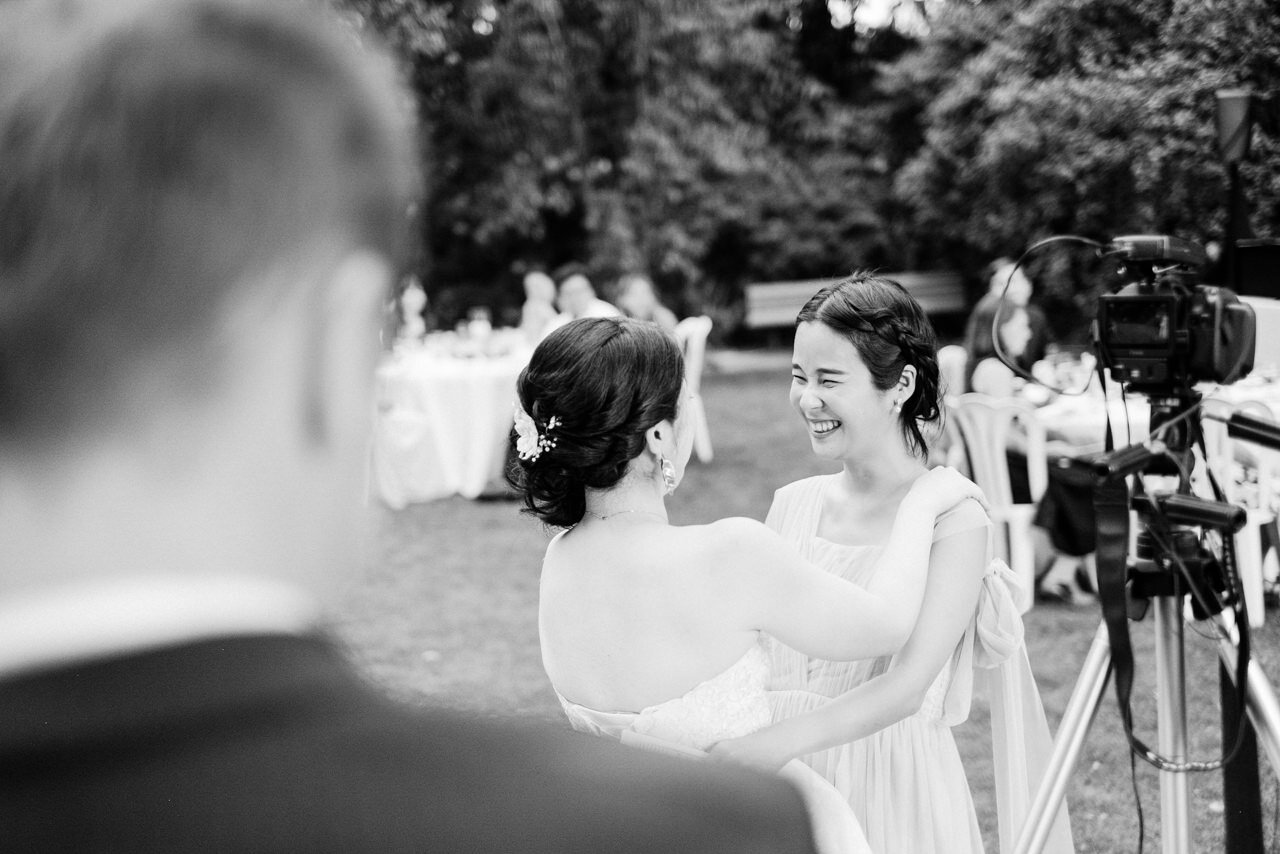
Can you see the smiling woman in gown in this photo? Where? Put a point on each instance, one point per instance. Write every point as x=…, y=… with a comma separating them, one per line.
x=865, y=383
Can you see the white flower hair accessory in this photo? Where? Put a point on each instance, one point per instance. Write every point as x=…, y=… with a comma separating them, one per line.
x=529, y=442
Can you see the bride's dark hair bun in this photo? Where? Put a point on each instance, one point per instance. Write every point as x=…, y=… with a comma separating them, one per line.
x=605, y=381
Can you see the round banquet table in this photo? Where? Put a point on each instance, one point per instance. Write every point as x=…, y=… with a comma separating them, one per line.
x=443, y=421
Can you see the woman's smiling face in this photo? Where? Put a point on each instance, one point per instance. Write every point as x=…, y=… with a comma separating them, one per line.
x=846, y=415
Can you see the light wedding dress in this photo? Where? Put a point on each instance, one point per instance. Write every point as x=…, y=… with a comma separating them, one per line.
x=733, y=703
x=906, y=783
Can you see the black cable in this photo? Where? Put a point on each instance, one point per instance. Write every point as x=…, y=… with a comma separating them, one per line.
x=1137, y=799
x=1167, y=547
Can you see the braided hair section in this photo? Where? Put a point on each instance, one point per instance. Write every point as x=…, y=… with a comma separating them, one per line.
x=889, y=330
x=594, y=387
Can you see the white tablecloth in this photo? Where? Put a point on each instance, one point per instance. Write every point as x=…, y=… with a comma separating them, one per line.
x=1081, y=420
x=442, y=423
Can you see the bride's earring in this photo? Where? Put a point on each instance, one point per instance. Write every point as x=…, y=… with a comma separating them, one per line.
x=668, y=469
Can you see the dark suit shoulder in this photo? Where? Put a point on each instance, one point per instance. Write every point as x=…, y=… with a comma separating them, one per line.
x=276, y=745
x=562, y=791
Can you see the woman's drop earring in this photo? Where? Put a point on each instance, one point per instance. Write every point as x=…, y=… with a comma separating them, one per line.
x=897, y=407
x=668, y=469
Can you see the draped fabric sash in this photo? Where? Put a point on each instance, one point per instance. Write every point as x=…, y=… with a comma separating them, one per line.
x=994, y=651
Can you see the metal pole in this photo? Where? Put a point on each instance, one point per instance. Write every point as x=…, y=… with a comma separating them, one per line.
x=1230, y=247
x=1076, y=718
x=1175, y=824
x=1241, y=787
x=1261, y=703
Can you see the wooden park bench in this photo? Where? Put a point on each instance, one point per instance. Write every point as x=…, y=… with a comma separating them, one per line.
x=776, y=304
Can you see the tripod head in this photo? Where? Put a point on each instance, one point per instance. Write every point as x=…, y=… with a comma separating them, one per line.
x=1170, y=557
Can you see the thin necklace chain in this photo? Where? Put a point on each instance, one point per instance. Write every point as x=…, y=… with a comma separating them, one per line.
x=652, y=513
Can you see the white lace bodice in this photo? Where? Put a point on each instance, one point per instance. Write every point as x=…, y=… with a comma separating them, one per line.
x=730, y=704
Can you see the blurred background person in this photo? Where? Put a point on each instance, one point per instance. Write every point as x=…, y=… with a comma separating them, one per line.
x=578, y=299
x=538, y=314
x=1018, y=293
x=227, y=181
x=1065, y=516
x=986, y=372
x=637, y=298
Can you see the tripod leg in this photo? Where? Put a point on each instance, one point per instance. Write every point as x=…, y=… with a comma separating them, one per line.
x=1171, y=707
x=1072, y=729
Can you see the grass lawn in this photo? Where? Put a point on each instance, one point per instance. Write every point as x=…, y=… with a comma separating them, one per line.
x=447, y=615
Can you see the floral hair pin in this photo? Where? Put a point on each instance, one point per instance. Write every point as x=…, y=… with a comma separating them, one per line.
x=529, y=442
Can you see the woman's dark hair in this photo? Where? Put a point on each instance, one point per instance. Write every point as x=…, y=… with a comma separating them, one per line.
x=979, y=343
x=605, y=381
x=980, y=338
x=890, y=331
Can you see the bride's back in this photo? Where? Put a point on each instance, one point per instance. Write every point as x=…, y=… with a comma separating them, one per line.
x=634, y=612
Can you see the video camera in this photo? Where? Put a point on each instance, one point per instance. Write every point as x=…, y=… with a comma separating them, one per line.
x=1162, y=332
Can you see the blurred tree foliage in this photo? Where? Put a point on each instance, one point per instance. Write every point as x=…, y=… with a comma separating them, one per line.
x=1089, y=117
x=704, y=142
x=712, y=143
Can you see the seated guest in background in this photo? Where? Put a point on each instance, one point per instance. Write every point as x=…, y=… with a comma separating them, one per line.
x=1065, y=512
x=986, y=372
x=578, y=299
x=638, y=299
x=215, y=191
x=538, y=314
x=1018, y=293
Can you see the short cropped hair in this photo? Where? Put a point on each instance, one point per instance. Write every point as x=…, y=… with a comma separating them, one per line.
x=157, y=157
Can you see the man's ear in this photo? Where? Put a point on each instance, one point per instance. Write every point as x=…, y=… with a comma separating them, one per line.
x=344, y=344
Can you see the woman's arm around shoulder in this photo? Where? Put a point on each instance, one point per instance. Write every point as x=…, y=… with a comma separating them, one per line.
x=958, y=563
x=771, y=587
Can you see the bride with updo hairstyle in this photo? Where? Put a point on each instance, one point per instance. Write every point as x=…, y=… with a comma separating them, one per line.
x=629, y=381
x=652, y=633
x=864, y=383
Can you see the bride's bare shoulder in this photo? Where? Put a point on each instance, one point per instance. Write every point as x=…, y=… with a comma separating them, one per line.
x=739, y=535
x=731, y=526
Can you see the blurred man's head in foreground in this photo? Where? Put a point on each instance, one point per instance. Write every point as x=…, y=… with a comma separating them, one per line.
x=202, y=205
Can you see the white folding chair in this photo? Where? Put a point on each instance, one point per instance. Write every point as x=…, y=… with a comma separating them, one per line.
x=986, y=424
x=1244, y=472
x=948, y=447
x=692, y=334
